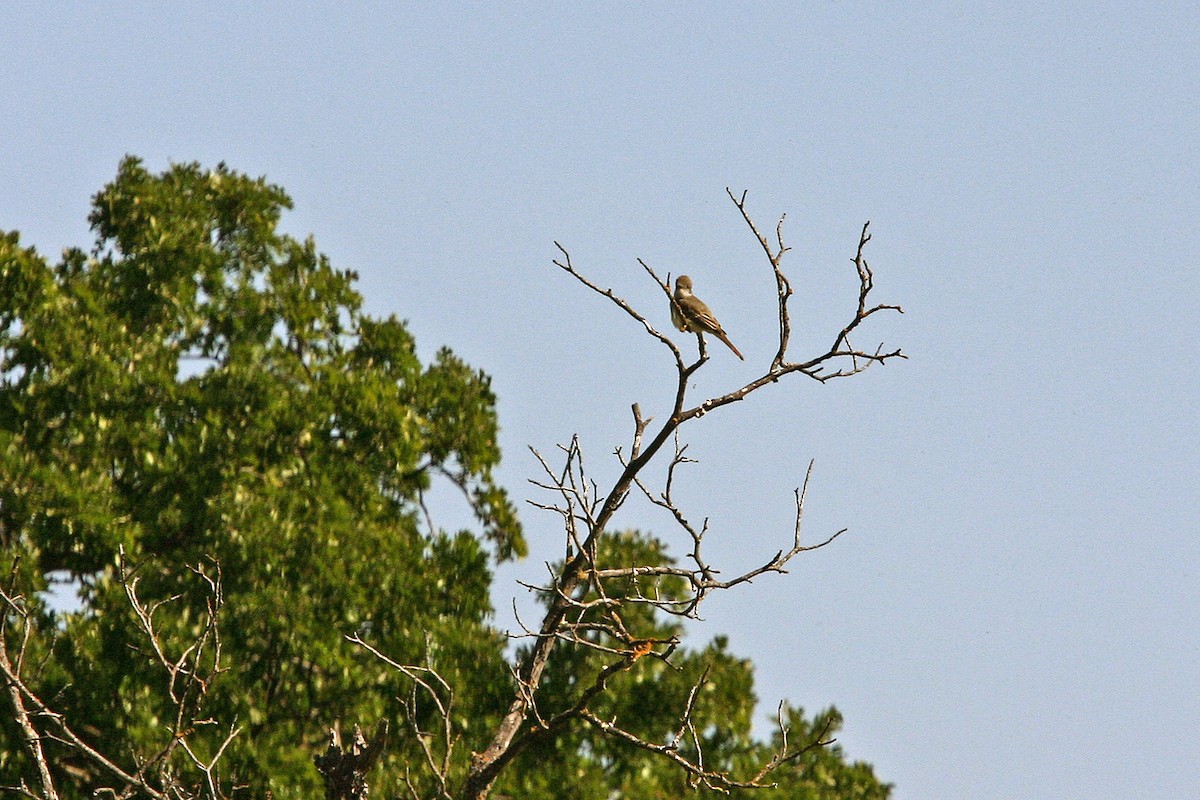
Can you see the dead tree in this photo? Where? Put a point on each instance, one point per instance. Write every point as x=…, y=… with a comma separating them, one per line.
x=581, y=612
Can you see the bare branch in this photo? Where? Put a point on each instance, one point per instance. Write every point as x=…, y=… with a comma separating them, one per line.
x=188, y=677
x=65, y=735
x=566, y=265
x=16, y=691
x=440, y=693
x=785, y=755
x=580, y=607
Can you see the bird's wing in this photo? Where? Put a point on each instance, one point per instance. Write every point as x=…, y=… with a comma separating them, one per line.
x=698, y=313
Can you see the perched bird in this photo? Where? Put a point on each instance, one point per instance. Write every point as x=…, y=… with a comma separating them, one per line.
x=689, y=313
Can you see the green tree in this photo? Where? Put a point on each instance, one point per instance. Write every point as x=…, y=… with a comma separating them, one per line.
x=203, y=433
x=200, y=388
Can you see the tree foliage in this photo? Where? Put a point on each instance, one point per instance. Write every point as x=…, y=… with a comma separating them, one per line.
x=202, y=387
x=205, y=435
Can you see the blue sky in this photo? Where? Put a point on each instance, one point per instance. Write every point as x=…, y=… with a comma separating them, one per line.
x=1014, y=611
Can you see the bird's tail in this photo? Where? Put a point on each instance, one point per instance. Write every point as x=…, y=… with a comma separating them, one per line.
x=729, y=344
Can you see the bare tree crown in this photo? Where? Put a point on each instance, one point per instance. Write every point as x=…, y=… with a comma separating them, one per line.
x=579, y=586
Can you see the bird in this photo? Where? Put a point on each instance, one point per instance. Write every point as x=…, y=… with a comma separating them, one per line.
x=689, y=313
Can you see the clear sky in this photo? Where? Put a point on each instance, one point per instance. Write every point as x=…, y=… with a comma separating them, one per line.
x=1015, y=612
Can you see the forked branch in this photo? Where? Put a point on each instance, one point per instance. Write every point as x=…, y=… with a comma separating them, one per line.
x=580, y=609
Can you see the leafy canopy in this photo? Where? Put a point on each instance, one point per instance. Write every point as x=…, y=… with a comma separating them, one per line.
x=200, y=386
